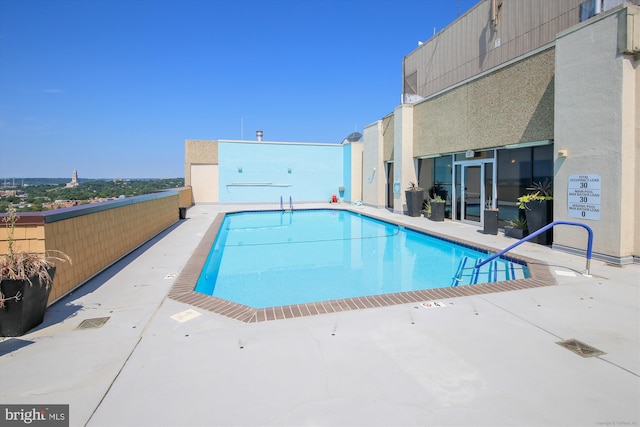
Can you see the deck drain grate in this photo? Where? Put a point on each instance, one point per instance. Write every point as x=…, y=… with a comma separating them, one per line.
x=93, y=323
x=580, y=348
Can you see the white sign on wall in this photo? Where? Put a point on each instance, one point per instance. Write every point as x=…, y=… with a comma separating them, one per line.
x=584, y=196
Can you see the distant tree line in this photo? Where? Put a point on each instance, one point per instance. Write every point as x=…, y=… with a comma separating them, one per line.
x=33, y=197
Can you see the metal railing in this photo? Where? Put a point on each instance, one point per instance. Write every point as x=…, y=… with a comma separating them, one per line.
x=542, y=230
x=290, y=204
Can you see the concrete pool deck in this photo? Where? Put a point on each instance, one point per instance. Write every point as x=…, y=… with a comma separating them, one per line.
x=490, y=359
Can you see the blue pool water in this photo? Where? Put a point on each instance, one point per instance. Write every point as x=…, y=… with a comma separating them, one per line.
x=267, y=259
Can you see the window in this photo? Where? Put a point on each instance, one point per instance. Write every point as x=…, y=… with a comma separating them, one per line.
x=435, y=177
x=517, y=169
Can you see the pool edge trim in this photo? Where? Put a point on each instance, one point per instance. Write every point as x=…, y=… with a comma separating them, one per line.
x=182, y=289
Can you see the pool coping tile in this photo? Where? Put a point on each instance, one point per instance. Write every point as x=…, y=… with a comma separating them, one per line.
x=183, y=287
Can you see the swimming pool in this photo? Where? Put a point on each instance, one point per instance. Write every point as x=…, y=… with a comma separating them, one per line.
x=274, y=258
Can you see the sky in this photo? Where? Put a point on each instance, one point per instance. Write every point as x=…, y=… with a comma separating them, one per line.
x=113, y=88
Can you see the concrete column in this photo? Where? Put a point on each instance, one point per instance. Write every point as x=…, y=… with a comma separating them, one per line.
x=403, y=162
x=356, y=171
x=373, y=171
x=596, y=123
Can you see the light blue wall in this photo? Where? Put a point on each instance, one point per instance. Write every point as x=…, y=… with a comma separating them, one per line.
x=317, y=171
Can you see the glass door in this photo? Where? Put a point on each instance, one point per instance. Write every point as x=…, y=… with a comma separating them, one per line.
x=472, y=196
x=475, y=190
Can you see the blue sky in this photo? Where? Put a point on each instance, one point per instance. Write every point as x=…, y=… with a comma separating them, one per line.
x=112, y=88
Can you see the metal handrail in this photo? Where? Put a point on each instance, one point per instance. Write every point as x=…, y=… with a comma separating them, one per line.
x=542, y=230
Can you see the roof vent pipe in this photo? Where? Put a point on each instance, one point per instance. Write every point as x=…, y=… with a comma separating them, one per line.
x=259, y=135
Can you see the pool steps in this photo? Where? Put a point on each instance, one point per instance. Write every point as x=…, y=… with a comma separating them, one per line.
x=511, y=271
x=468, y=273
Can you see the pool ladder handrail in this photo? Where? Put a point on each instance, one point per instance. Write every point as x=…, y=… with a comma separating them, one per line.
x=542, y=230
x=290, y=204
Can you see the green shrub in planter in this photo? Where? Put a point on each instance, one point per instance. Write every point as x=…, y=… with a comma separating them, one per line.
x=538, y=209
x=437, y=209
x=517, y=228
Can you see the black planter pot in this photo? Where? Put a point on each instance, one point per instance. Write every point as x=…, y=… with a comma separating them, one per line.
x=490, y=221
x=414, y=202
x=516, y=233
x=437, y=211
x=539, y=213
x=20, y=315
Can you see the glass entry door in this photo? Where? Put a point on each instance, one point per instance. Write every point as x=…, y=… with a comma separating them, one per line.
x=475, y=190
x=472, y=196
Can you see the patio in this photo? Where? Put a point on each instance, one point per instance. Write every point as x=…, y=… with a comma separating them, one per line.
x=490, y=359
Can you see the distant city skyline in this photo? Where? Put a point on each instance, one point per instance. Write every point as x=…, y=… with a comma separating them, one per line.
x=75, y=93
x=15, y=180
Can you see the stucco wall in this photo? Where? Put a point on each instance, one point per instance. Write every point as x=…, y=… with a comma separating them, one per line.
x=590, y=74
x=373, y=173
x=512, y=105
x=265, y=171
x=204, y=181
x=352, y=180
x=636, y=179
x=388, y=131
x=403, y=165
x=198, y=151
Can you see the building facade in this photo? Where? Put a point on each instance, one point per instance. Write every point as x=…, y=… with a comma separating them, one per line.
x=512, y=94
x=515, y=93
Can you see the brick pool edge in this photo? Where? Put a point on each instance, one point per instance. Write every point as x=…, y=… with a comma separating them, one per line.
x=183, y=287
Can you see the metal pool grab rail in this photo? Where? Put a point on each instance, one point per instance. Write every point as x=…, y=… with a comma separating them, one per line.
x=290, y=204
x=540, y=231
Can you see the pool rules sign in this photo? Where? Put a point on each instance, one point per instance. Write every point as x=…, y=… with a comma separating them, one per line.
x=584, y=196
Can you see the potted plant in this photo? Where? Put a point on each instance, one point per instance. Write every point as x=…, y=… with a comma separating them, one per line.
x=438, y=190
x=415, y=198
x=538, y=209
x=25, y=285
x=517, y=228
x=437, y=209
x=426, y=208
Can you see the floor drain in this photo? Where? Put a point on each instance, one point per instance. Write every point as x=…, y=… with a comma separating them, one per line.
x=581, y=348
x=93, y=323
